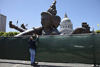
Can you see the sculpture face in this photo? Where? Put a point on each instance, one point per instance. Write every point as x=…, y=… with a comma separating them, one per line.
x=56, y=21
x=46, y=20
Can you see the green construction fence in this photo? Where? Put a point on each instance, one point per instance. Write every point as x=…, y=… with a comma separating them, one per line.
x=55, y=48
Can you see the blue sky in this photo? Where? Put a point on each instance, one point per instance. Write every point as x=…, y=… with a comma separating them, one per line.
x=29, y=11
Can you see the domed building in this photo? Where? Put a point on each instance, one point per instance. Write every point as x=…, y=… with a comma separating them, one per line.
x=66, y=27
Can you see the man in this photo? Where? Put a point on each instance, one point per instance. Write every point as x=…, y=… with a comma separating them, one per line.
x=32, y=48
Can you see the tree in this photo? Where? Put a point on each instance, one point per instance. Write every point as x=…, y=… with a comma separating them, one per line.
x=97, y=31
x=8, y=34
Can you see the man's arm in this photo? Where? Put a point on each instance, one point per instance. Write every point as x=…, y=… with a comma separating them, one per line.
x=36, y=37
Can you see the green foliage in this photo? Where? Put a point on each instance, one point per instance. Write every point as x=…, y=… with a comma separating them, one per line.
x=8, y=34
x=1, y=33
x=98, y=31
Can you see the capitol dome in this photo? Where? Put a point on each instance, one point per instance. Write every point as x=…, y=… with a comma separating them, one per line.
x=66, y=27
x=66, y=20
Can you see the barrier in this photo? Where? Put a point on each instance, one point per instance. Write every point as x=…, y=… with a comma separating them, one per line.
x=67, y=49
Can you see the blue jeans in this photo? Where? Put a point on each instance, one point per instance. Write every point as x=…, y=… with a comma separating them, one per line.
x=32, y=55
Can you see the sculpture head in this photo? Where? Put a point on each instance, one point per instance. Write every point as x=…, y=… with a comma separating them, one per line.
x=46, y=20
x=52, y=8
x=53, y=11
x=56, y=21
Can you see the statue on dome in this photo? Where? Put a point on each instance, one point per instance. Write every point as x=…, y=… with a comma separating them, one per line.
x=49, y=20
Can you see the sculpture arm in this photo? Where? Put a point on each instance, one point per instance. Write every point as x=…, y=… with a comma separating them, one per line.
x=30, y=32
x=15, y=27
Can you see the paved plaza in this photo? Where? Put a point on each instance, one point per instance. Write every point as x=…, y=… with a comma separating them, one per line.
x=20, y=63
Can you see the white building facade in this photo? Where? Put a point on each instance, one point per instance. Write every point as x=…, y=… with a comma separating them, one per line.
x=2, y=23
x=66, y=26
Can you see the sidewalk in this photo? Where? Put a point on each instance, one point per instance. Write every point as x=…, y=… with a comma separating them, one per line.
x=19, y=63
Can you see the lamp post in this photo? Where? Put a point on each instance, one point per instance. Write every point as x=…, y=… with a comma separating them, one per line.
x=92, y=29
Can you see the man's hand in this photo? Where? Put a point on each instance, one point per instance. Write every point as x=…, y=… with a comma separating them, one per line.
x=36, y=35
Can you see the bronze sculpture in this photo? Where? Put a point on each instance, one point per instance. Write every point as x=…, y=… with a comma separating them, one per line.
x=49, y=20
x=84, y=29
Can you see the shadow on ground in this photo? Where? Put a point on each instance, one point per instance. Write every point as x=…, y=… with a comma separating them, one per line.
x=49, y=66
x=15, y=63
x=33, y=66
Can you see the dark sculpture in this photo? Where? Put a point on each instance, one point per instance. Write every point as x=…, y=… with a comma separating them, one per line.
x=52, y=8
x=15, y=27
x=49, y=20
x=84, y=29
x=23, y=26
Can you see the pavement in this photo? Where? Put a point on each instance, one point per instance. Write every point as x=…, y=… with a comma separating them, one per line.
x=20, y=63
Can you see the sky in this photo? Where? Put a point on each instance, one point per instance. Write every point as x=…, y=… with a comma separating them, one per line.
x=29, y=12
